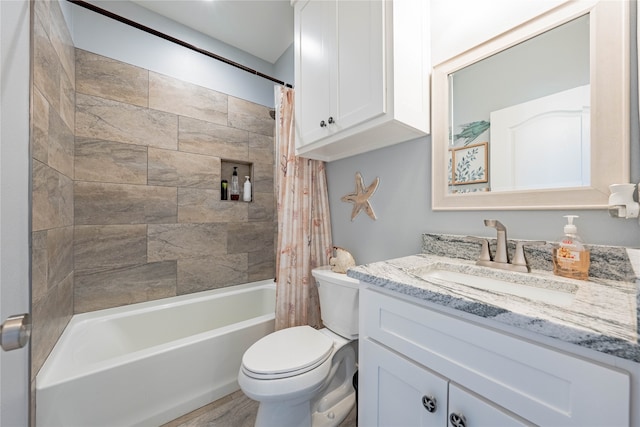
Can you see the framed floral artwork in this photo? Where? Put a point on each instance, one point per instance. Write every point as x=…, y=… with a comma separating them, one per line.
x=469, y=164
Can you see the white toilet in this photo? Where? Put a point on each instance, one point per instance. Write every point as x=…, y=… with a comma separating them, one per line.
x=302, y=376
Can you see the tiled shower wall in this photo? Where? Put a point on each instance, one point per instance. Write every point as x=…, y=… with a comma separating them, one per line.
x=52, y=146
x=149, y=222
x=126, y=170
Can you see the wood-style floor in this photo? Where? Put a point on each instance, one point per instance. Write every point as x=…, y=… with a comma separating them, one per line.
x=234, y=410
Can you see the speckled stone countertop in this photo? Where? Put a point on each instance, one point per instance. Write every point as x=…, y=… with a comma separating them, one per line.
x=602, y=314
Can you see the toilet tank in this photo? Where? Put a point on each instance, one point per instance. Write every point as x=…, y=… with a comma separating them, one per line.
x=338, y=301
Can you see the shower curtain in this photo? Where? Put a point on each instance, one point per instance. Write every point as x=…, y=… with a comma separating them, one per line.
x=304, y=227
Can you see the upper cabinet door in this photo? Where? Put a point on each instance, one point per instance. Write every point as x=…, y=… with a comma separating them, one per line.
x=362, y=75
x=358, y=63
x=314, y=48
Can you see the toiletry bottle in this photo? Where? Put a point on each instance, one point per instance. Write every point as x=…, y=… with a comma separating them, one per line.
x=235, y=187
x=224, y=190
x=246, y=191
x=570, y=255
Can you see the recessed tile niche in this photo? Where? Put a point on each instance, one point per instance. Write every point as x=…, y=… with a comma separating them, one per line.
x=244, y=169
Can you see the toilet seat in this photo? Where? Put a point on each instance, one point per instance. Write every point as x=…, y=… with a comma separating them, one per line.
x=286, y=353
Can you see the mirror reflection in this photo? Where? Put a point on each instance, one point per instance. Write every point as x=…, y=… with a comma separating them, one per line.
x=520, y=119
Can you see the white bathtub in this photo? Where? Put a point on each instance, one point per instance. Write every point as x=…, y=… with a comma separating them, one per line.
x=149, y=363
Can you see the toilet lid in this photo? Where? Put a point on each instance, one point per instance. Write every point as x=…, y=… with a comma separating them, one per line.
x=286, y=353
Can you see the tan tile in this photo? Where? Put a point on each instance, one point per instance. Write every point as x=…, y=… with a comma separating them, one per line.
x=61, y=40
x=107, y=161
x=52, y=198
x=262, y=207
x=101, y=118
x=182, y=241
x=99, y=246
x=60, y=254
x=263, y=177
x=64, y=306
x=262, y=264
x=49, y=317
x=108, y=204
x=261, y=148
x=46, y=65
x=108, y=78
x=39, y=127
x=250, y=236
x=174, y=168
x=198, y=136
x=44, y=330
x=39, y=265
x=98, y=289
x=250, y=116
x=186, y=99
x=61, y=145
x=201, y=206
x=67, y=100
x=201, y=274
x=41, y=11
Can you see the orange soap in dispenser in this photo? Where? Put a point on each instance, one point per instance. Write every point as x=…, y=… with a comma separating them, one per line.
x=571, y=257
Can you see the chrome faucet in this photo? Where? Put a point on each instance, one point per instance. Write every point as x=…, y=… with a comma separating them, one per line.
x=501, y=258
x=501, y=246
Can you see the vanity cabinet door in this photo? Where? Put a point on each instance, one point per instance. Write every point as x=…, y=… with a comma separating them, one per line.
x=467, y=409
x=394, y=391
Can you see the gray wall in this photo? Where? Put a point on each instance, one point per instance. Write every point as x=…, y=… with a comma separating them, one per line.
x=403, y=203
x=104, y=36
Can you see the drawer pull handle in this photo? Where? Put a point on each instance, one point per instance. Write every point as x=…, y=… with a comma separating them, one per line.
x=457, y=420
x=429, y=403
x=331, y=121
x=323, y=124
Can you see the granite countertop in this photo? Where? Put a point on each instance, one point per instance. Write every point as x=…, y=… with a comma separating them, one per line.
x=602, y=313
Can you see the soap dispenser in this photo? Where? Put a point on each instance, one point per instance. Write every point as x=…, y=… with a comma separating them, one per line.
x=246, y=193
x=235, y=187
x=571, y=257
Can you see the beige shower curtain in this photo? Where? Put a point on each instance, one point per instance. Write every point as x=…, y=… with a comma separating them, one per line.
x=304, y=227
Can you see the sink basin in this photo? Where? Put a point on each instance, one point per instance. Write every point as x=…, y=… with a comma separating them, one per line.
x=544, y=289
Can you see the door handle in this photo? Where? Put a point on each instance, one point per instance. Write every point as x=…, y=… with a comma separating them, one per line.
x=15, y=332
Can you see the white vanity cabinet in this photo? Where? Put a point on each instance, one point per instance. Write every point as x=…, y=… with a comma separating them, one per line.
x=362, y=75
x=419, y=366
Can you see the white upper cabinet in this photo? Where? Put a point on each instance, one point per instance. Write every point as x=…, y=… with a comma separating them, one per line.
x=362, y=75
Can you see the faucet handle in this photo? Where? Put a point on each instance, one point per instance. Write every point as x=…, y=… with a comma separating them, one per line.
x=518, y=257
x=485, y=253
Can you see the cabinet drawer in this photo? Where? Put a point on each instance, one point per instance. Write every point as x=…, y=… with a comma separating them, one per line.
x=545, y=386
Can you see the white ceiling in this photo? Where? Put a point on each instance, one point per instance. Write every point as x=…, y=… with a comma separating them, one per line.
x=263, y=28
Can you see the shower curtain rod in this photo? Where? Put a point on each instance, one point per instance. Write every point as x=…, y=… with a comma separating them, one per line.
x=167, y=37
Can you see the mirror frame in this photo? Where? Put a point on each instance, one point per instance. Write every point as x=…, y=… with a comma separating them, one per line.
x=610, y=106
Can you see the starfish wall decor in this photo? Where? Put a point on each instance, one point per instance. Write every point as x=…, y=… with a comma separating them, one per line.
x=360, y=198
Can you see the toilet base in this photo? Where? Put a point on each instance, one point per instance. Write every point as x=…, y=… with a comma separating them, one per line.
x=299, y=414
x=327, y=406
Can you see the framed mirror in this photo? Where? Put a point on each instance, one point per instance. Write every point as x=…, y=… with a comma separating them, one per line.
x=538, y=117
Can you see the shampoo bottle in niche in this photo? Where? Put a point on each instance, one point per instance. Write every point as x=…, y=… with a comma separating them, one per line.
x=246, y=191
x=570, y=255
x=235, y=187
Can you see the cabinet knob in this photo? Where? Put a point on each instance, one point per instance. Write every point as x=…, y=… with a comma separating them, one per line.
x=457, y=420
x=429, y=403
x=322, y=124
x=331, y=121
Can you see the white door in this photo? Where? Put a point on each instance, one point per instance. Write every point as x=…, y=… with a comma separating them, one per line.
x=14, y=204
x=395, y=392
